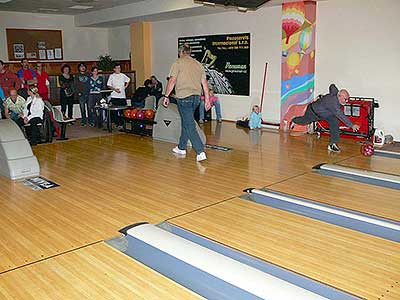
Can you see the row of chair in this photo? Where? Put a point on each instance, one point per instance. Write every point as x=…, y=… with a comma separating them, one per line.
x=53, y=120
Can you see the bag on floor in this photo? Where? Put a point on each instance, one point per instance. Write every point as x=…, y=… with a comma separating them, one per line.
x=243, y=123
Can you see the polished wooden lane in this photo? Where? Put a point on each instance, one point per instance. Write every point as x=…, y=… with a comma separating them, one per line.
x=94, y=272
x=374, y=163
x=109, y=182
x=362, y=197
x=357, y=263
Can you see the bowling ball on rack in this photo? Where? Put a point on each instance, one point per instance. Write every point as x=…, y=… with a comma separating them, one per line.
x=149, y=114
x=140, y=115
x=367, y=149
x=133, y=113
x=127, y=113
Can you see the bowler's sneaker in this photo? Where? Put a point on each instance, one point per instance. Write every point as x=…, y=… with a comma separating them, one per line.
x=202, y=156
x=179, y=151
x=334, y=148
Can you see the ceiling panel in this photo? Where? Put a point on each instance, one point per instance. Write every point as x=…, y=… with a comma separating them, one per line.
x=60, y=6
x=252, y=4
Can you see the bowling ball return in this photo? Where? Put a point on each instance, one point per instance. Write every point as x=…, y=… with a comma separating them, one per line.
x=136, y=122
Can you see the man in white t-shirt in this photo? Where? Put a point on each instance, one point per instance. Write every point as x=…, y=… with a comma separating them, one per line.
x=118, y=82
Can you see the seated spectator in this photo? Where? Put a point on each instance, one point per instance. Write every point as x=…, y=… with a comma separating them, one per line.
x=214, y=102
x=2, y=99
x=27, y=76
x=8, y=80
x=156, y=87
x=141, y=94
x=43, y=81
x=14, y=107
x=33, y=115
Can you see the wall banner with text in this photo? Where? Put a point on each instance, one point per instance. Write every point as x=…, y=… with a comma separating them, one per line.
x=226, y=59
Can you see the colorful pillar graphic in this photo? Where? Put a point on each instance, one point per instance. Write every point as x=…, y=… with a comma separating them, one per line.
x=298, y=57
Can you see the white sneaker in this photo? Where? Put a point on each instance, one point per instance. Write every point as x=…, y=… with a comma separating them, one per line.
x=333, y=148
x=179, y=151
x=202, y=156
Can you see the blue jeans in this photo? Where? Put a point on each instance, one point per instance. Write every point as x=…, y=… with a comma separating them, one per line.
x=93, y=100
x=83, y=104
x=187, y=107
x=217, y=106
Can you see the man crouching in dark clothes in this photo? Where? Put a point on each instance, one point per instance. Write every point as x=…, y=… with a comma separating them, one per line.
x=327, y=108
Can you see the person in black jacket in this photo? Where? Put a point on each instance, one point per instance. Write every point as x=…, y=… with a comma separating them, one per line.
x=141, y=94
x=66, y=83
x=82, y=88
x=327, y=108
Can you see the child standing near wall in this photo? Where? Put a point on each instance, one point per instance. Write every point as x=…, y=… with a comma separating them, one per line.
x=214, y=102
x=255, y=118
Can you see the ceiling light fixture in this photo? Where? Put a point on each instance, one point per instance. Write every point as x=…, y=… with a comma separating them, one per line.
x=47, y=9
x=208, y=3
x=81, y=7
x=242, y=9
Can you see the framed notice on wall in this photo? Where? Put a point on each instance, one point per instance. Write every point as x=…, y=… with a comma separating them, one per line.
x=226, y=59
x=34, y=44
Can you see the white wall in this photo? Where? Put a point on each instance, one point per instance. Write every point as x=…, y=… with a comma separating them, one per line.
x=119, y=42
x=264, y=26
x=78, y=43
x=358, y=47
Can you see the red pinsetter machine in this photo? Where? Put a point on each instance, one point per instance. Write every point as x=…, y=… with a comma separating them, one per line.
x=360, y=111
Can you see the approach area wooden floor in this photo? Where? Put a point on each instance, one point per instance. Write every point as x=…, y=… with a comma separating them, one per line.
x=109, y=182
x=374, y=163
x=374, y=200
x=357, y=263
x=94, y=272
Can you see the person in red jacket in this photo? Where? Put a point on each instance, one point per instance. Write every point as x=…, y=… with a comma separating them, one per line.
x=8, y=80
x=43, y=82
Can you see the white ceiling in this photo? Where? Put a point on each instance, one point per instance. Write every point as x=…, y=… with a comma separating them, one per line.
x=111, y=13
x=60, y=6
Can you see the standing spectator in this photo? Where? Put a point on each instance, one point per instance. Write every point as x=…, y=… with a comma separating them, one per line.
x=8, y=80
x=43, y=81
x=156, y=87
x=96, y=84
x=118, y=82
x=66, y=82
x=82, y=89
x=27, y=76
x=33, y=115
x=14, y=107
x=188, y=77
x=214, y=102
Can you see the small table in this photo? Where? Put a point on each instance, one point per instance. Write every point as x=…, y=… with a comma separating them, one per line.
x=108, y=110
x=105, y=94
